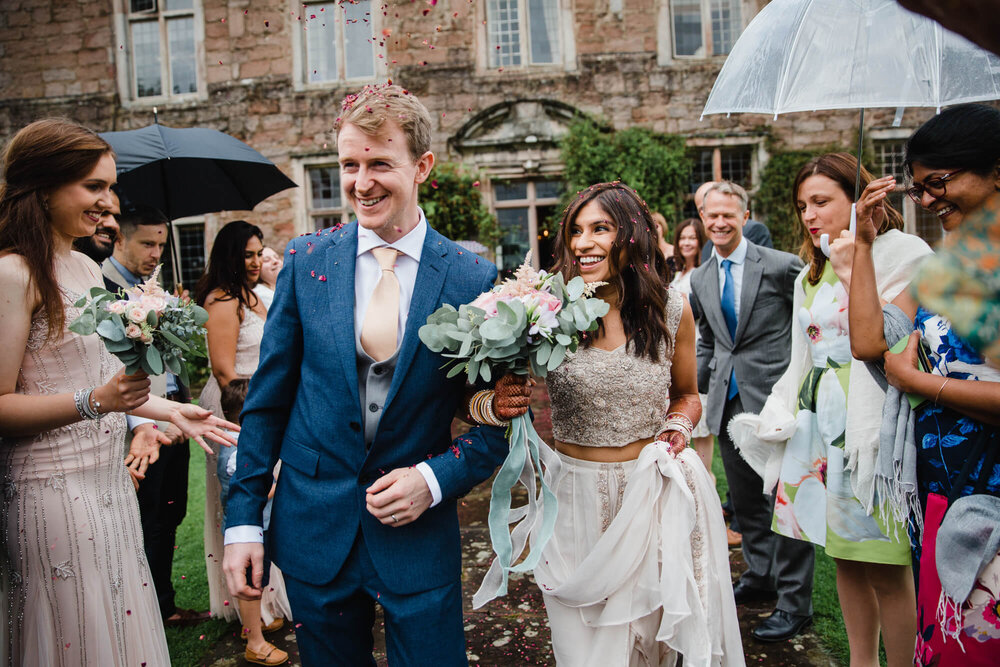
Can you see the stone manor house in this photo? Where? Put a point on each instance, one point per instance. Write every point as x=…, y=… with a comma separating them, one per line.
x=502, y=79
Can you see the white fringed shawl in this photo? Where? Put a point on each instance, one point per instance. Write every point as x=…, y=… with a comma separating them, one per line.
x=761, y=438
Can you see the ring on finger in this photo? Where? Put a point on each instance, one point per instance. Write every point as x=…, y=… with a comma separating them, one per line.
x=394, y=519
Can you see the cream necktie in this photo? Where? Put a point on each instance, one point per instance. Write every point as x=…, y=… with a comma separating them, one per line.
x=378, y=333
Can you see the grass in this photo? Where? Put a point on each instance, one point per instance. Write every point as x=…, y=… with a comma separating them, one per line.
x=189, y=646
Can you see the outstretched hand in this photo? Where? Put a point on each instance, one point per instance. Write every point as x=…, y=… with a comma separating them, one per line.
x=512, y=396
x=144, y=449
x=198, y=423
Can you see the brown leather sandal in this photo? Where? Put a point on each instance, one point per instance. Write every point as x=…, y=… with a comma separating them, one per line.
x=273, y=656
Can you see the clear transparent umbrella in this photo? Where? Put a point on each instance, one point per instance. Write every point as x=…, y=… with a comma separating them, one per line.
x=806, y=55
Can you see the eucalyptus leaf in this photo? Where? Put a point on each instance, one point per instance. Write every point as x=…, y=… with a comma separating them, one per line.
x=171, y=338
x=152, y=318
x=543, y=352
x=575, y=288
x=495, y=329
x=108, y=330
x=563, y=339
x=200, y=315
x=173, y=364
x=84, y=325
x=456, y=370
x=117, y=346
x=154, y=362
x=485, y=373
x=558, y=354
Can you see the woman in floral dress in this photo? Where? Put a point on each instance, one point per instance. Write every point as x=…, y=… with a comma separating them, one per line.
x=954, y=162
x=826, y=411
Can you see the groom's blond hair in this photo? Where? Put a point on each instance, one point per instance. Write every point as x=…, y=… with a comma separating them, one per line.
x=374, y=105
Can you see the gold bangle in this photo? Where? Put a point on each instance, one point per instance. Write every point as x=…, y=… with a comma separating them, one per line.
x=938, y=395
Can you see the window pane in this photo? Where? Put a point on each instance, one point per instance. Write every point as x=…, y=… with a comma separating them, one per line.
x=548, y=189
x=515, y=243
x=725, y=25
x=543, y=28
x=324, y=187
x=324, y=221
x=504, y=32
x=359, y=52
x=702, y=170
x=171, y=5
x=687, y=27
x=321, y=43
x=146, y=54
x=510, y=190
x=191, y=252
x=736, y=166
x=142, y=5
x=889, y=157
x=180, y=33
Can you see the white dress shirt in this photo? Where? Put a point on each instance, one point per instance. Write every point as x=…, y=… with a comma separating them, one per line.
x=367, y=273
x=738, y=258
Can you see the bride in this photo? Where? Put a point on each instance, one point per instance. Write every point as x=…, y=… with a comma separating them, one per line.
x=637, y=571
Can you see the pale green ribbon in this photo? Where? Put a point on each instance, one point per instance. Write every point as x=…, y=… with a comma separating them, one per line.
x=527, y=454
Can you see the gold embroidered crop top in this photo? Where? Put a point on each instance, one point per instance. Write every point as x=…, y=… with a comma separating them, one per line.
x=604, y=398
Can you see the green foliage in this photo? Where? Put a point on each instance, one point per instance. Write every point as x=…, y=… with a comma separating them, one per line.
x=454, y=205
x=655, y=165
x=773, y=201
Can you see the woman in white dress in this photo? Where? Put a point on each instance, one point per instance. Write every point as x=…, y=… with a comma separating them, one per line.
x=637, y=571
x=689, y=239
x=235, y=327
x=270, y=265
x=76, y=585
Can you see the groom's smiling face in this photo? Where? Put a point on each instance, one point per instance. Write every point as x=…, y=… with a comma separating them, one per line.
x=379, y=178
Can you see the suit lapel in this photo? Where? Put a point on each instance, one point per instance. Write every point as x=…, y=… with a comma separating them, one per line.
x=426, y=291
x=340, y=262
x=752, y=272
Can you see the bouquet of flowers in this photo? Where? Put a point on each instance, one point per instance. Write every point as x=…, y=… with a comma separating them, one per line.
x=144, y=326
x=527, y=324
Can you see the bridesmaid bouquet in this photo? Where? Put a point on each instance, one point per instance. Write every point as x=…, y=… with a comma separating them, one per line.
x=146, y=327
x=527, y=324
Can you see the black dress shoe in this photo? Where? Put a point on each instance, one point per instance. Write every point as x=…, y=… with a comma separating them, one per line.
x=745, y=593
x=780, y=626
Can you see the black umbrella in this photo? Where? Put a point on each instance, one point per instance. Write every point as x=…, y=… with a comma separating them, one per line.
x=190, y=171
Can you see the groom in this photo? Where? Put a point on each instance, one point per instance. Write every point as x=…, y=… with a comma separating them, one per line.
x=359, y=412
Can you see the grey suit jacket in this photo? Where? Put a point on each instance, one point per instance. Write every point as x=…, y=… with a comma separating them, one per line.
x=763, y=341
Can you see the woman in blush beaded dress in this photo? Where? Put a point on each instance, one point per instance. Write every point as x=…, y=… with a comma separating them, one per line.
x=76, y=585
x=637, y=571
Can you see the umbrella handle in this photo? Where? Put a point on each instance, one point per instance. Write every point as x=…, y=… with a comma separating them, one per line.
x=824, y=239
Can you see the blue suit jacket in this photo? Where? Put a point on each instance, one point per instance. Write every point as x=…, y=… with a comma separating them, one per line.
x=303, y=407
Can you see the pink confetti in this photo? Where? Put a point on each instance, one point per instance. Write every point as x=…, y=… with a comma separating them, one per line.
x=322, y=279
x=292, y=251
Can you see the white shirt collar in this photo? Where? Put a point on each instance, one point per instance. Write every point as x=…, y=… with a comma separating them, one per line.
x=737, y=256
x=411, y=245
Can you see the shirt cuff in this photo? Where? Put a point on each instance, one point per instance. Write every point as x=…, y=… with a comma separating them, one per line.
x=238, y=534
x=134, y=421
x=432, y=482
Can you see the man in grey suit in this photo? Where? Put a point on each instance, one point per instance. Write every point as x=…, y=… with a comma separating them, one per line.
x=742, y=298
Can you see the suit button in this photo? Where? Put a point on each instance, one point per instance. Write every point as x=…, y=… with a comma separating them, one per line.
x=379, y=370
x=372, y=407
x=355, y=426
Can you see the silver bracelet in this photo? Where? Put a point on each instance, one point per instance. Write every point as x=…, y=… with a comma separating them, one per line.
x=81, y=398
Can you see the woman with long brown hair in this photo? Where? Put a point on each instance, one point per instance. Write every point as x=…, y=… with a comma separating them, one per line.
x=76, y=579
x=819, y=430
x=637, y=510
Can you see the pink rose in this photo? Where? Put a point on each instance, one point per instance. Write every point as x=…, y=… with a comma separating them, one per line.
x=153, y=302
x=137, y=313
x=147, y=337
x=133, y=331
x=487, y=301
x=116, y=307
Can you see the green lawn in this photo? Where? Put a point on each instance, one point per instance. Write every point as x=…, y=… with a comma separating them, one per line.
x=189, y=646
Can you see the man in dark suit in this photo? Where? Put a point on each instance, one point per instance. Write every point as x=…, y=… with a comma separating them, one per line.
x=753, y=231
x=359, y=412
x=743, y=299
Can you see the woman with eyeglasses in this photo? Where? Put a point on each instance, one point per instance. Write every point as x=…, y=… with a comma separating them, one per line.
x=954, y=162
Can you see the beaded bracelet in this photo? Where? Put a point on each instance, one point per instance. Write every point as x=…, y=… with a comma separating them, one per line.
x=481, y=408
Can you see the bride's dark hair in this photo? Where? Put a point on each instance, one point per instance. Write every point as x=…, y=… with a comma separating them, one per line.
x=640, y=274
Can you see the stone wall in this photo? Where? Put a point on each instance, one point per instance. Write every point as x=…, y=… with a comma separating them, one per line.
x=59, y=58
